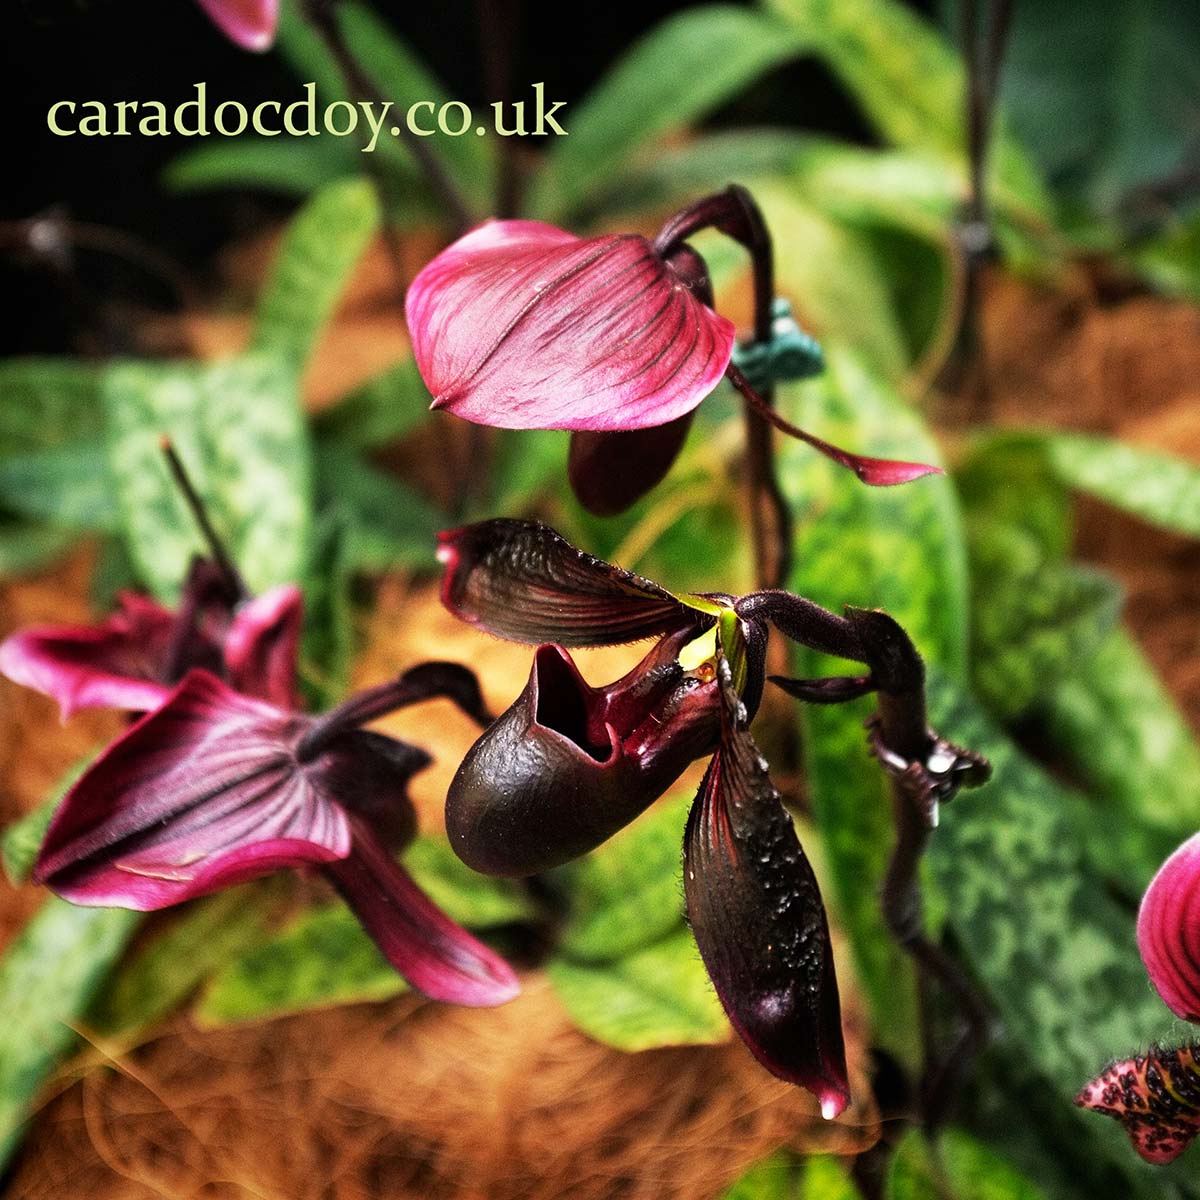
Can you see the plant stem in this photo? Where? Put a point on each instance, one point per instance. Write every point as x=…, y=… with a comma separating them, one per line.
x=499, y=23
x=321, y=15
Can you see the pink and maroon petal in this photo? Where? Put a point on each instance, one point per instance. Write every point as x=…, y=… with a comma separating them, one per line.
x=200, y=793
x=524, y=326
x=759, y=920
x=250, y=24
x=522, y=581
x=119, y=663
x=1156, y=1098
x=435, y=955
x=1168, y=930
x=263, y=643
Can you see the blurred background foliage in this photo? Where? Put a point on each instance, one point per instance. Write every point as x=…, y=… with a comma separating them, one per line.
x=846, y=121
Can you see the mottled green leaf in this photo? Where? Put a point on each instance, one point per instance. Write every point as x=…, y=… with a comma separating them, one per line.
x=68, y=486
x=321, y=960
x=629, y=892
x=328, y=641
x=378, y=412
x=900, y=549
x=45, y=402
x=957, y=1165
x=238, y=428
x=1033, y=621
x=48, y=977
x=677, y=73
x=774, y=1178
x=477, y=901
x=1159, y=488
x=164, y=972
x=316, y=258
x=659, y=995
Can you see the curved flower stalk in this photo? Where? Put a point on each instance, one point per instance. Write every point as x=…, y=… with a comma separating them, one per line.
x=522, y=325
x=568, y=764
x=1157, y=1096
x=250, y=24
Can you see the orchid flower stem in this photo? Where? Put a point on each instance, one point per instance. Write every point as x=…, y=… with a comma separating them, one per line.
x=233, y=579
x=323, y=18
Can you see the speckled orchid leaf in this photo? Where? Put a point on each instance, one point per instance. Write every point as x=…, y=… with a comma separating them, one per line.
x=1156, y=1097
x=524, y=326
x=239, y=431
x=759, y=920
x=522, y=581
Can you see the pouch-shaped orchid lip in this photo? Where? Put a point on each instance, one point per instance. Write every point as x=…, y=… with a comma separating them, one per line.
x=247, y=23
x=566, y=705
x=522, y=581
x=524, y=326
x=1168, y=931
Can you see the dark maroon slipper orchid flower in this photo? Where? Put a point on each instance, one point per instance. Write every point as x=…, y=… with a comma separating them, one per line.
x=214, y=788
x=247, y=23
x=134, y=658
x=568, y=764
x=1157, y=1097
x=524, y=326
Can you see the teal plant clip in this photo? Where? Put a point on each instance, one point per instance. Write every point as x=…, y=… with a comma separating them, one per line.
x=791, y=353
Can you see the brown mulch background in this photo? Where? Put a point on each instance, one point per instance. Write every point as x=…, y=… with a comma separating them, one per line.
x=411, y=1100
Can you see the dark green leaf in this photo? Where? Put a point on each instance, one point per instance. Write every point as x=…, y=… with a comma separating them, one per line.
x=380, y=411
x=321, y=960
x=957, y=1165
x=316, y=258
x=657, y=996
x=328, y=641
x=68, y=486
x=45, y=402
x=26, y=548
x=287, y=165
x=23, y=838
x=629, y=892
x=48, y=977
x=238, y=428
x=677, y=73
x=900, y=549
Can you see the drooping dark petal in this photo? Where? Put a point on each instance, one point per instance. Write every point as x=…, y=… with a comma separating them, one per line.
x=435, y=955
x=119, y=663
x=524, y=326
x=262, y=646
x=568, y=764
x=522, y=581
x=759, y=920
x=611, y=471
x=834, y=689
x=199, y=794
x=248, y=23
x=1168, y=930
x=1156, y=1098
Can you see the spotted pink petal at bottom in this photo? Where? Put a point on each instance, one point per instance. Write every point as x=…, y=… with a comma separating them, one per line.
x=1168, y=931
